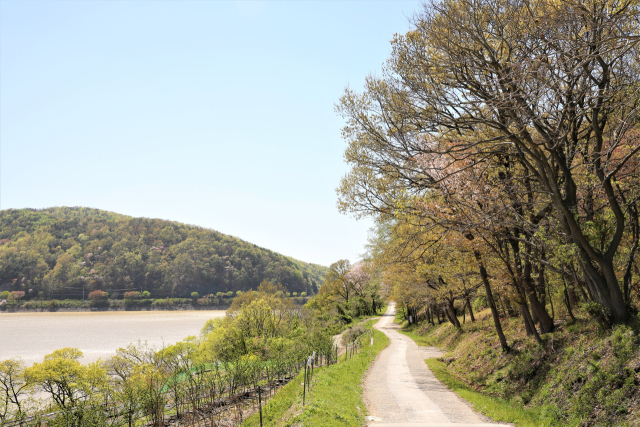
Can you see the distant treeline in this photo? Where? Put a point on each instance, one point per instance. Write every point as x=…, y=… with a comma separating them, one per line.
x=65, y=251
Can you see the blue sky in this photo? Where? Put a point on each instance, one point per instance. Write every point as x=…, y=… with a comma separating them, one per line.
x=218, y=114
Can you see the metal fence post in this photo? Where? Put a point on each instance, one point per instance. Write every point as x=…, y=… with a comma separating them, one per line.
x=304, y=385
x=260, y=404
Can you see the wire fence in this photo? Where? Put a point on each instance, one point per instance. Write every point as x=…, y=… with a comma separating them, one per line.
x=202, y=395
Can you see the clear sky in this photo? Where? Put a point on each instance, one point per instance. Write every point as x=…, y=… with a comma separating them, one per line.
x=218, y=114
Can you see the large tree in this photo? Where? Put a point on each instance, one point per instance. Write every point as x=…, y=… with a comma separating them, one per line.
x=547, y=88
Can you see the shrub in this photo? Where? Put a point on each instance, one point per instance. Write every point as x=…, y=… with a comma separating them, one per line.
x=146, y=295
x=53, y=305
x=132, y=295
x=16, y=295
x=98, y=299
x=97, y=295
x=130, y=302
x=352, y=334
x=303, y=294
x=295, y=294
x=4, y=295
x=229, y=294
x=195, y=295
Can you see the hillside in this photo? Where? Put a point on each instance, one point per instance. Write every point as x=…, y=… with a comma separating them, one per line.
x=581, y=376
x=65, y=249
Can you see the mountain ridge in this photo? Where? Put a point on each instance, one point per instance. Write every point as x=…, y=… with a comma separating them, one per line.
x=70, y=248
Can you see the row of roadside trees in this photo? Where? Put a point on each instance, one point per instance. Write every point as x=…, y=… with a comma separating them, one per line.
x=499, y=152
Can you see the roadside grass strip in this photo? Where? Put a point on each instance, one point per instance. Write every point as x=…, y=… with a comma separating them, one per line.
x=335, y=398
x=497, y=409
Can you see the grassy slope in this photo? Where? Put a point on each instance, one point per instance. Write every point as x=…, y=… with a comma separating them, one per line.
x=582, y=376
x=336, y=394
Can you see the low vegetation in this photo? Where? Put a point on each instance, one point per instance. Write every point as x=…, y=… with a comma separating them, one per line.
x=335, y=396
x=263, y=342
x=582, y=375
x=207, y=302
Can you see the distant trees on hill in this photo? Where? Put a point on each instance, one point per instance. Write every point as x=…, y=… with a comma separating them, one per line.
x=65, y=250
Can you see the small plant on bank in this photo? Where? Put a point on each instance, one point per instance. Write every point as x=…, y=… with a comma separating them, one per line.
x=98, y=298
x=53, y=305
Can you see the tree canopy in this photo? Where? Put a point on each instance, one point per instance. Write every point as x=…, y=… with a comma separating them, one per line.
x=502, y=144
x=65, y=249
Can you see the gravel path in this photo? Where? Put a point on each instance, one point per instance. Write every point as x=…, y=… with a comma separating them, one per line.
x=400, y=390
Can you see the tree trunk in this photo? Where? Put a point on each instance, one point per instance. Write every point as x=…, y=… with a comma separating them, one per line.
x=529, y=321
x=492, y=303
x=473, y=318
x=567, y=300
x=540, y=313
x=464, y=313
x=553, y=311
x=452, y=314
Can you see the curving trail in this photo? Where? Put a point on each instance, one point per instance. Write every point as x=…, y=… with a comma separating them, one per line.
x=400, y=390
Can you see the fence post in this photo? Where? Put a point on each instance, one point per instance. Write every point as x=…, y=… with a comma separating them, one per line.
x=260, y=404
x=304, y=385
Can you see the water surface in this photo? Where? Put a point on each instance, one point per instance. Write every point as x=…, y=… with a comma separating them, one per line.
x=97, y=334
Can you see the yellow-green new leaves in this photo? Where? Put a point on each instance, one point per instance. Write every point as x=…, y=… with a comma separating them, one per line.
x=14, y=388
x=67, y=380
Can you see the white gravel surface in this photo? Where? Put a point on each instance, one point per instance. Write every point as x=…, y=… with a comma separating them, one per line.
x=400, y=389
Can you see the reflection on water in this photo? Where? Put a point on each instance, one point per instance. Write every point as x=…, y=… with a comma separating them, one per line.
x=97, y=334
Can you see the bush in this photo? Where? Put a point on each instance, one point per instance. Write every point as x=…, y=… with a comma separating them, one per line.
x=98, y=298
x=352, y=334
x=129, y=302
x=53, y=305
x=195, y=295
x=303, y=294
x=132, y=295
x=4, y=295
x=97, y=295
x=16, y=295
x=146, y=294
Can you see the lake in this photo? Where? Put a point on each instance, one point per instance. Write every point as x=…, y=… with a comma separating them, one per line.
x=97, y=334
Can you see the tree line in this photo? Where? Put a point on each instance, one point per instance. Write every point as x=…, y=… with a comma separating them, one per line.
x=499, y=153
x=68, y=251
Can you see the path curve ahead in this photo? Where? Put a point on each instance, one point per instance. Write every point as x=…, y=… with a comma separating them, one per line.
x=400, y=390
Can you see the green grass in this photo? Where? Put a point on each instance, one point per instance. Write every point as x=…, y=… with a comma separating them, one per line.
x=496, y=408
x=336, y=394
x=419, y=339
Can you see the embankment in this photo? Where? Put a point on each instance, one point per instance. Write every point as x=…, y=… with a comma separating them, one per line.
x=582, y=375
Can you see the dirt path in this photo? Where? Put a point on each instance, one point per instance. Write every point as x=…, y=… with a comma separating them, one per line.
x=400, y=390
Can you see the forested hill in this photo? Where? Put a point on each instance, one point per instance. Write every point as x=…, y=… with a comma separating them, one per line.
x=66, y=249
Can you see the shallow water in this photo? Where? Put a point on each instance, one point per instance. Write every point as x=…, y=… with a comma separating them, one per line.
x=97, y=334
